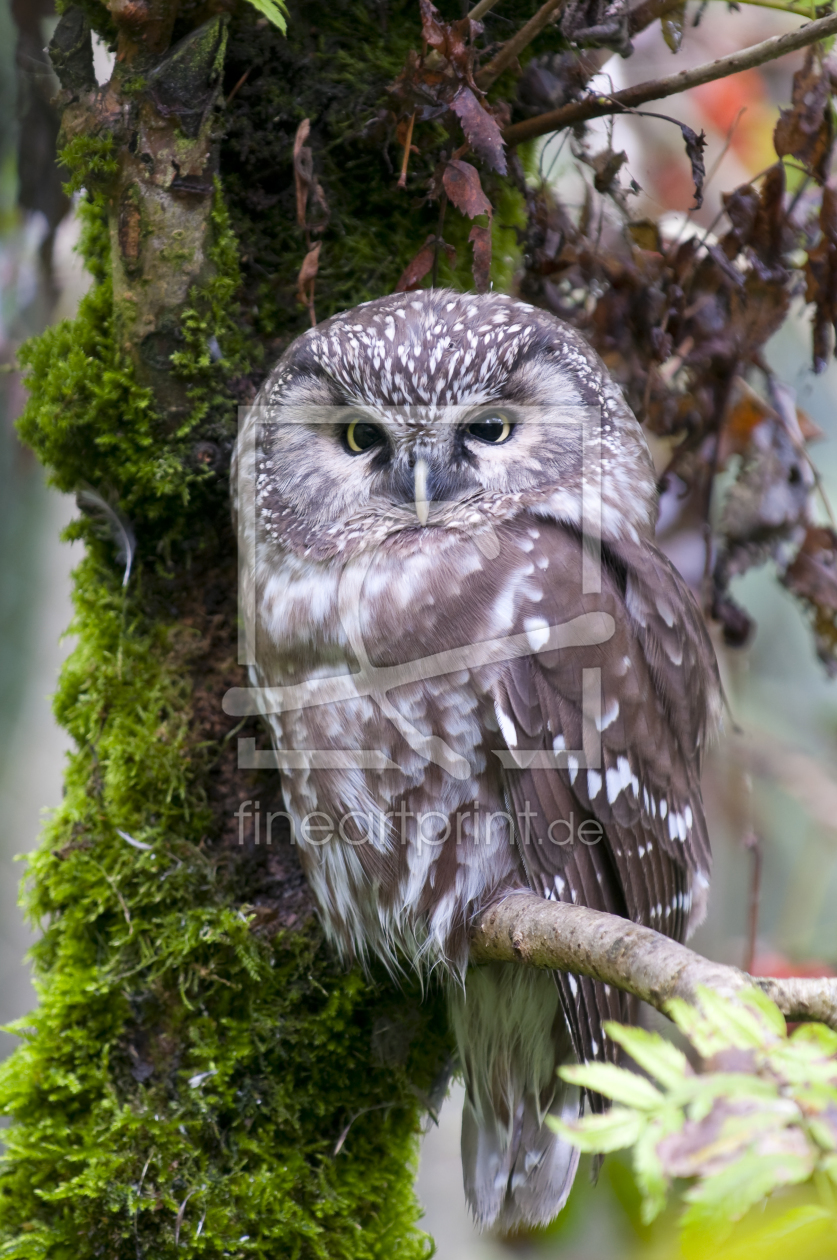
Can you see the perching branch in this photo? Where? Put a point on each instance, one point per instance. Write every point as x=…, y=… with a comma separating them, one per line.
x=528, y=929
x=655, y=90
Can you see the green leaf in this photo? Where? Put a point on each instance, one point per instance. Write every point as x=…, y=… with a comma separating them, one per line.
x=652, y=1053
x=597, y=1135
x=824, y=1132
x=815, y=1036
x=765, y=1006
x=729, y=1194
x=274, y=11
x=793, y=1233
x=748, y=1021
x=704, y=1091
x=614, y=1082
x=650, y=1174
x=745, y=1022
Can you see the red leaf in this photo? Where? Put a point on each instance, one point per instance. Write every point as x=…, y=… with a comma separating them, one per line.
x=462, y=185
x=481, y=129
x=480, y=238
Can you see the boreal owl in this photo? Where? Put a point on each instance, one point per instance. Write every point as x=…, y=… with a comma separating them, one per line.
x=481, y=677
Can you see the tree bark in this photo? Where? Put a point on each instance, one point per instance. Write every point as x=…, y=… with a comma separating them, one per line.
x=201, y=1073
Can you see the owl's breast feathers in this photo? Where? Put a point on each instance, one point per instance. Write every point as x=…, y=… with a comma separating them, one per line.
x=608, y=732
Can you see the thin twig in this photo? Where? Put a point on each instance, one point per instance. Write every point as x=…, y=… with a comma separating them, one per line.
x=402, y=178
x=753, y=844
x=655, y=90
x=514, y=47
x=480, y=10
x=239, y=84
x=528, y=929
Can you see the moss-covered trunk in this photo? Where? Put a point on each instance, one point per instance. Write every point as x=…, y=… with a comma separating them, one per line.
x=200, y=1073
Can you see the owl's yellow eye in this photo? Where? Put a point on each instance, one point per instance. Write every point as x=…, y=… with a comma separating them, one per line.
x=492, y=426
x=360, y=436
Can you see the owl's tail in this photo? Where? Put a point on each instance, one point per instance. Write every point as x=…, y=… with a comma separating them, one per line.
x=512, y=1037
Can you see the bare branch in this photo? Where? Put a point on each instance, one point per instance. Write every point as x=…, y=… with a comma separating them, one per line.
x=657, y=89
x=482, y=8
x=528, y=929
x=514, y=47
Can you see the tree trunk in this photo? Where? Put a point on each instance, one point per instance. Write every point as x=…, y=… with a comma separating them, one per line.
x=200, y=1072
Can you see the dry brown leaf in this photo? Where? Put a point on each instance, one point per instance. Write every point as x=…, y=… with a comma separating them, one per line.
x=303, y=169
x=747, y=410
x=695, y=144
x=307, y=276
x=480, y=238
x=607, y=165
x=810, y=431
x=646, y=234
x=451, y=40
x=481, y=129
x=422, y=264
x=308, y=190
x=741, y=207
x=806, y=131
x=821, y=280
x=812, y=578
x=462, y=184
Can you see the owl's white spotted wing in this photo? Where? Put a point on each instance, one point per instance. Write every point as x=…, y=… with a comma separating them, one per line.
x=644, y=849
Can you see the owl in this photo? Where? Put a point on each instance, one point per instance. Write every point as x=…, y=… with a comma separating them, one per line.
x=480, y=676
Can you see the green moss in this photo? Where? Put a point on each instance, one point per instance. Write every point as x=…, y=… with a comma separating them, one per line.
x=176, y=1056
x=90, y=160
x=197, y=1055
x=187, y=1075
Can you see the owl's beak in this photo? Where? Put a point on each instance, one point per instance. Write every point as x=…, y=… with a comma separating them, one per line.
x=420, y=490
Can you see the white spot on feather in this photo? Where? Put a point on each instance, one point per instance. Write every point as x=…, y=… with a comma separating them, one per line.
x=506, y=725
x=537, y=632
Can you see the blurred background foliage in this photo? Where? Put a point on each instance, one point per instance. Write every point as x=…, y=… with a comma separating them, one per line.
x=777, y=784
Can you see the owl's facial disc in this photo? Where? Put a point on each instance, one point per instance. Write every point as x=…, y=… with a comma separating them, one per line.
x=450, y=411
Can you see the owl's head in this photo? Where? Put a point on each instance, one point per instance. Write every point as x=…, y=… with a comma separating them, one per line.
x=444, y=412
